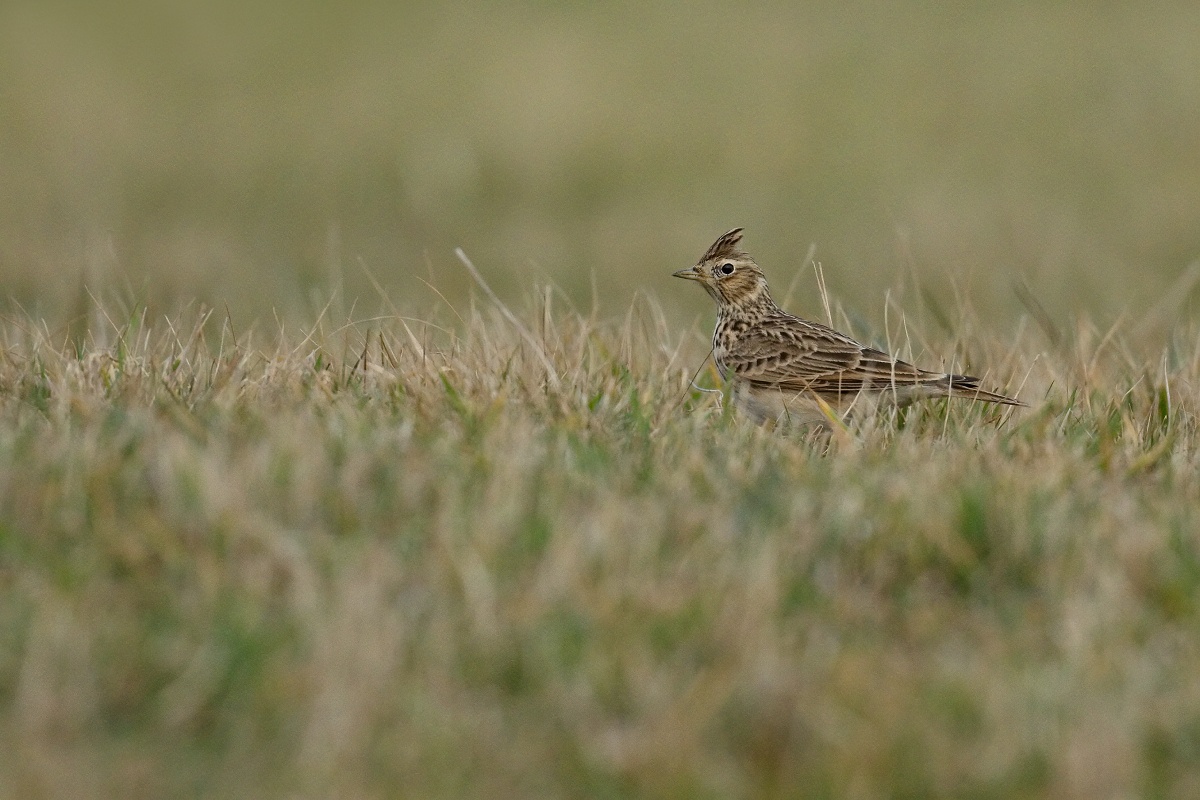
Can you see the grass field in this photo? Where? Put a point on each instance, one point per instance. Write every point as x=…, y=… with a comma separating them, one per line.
x=290, y=507
x=249, y=154
x=479, y=558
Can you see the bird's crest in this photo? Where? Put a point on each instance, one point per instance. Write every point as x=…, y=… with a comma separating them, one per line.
x=725, y=247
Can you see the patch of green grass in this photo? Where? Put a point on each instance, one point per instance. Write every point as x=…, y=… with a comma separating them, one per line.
x=245, y=563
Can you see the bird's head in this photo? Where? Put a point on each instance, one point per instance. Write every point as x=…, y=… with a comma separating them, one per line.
x=728, y=273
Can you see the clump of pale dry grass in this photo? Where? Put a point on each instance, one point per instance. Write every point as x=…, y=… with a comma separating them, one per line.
x=519, y=555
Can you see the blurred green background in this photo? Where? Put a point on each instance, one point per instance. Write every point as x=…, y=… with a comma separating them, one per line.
x=264, y=154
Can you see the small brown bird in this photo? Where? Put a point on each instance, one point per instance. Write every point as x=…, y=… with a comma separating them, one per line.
x=784, y=367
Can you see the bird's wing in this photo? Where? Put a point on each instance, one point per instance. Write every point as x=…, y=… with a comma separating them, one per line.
x=791, y=354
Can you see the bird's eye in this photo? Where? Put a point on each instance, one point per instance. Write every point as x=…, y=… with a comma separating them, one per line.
x=727, y=268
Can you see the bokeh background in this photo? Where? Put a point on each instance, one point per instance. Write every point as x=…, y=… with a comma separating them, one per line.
x=265, y=155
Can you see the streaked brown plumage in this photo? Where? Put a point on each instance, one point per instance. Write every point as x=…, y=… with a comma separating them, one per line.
x=780, y=364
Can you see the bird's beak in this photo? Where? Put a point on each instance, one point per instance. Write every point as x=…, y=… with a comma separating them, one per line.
x=690, y=274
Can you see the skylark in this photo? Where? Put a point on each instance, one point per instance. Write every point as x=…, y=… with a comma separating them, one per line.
x=783, y=367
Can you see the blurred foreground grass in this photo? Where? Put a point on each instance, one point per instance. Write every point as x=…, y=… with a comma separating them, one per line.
x=410, y=559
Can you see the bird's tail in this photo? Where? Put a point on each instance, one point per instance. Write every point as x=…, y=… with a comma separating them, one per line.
x=967, y=387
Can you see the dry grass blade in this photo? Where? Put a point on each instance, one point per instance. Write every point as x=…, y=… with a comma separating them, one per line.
x=539, y=351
